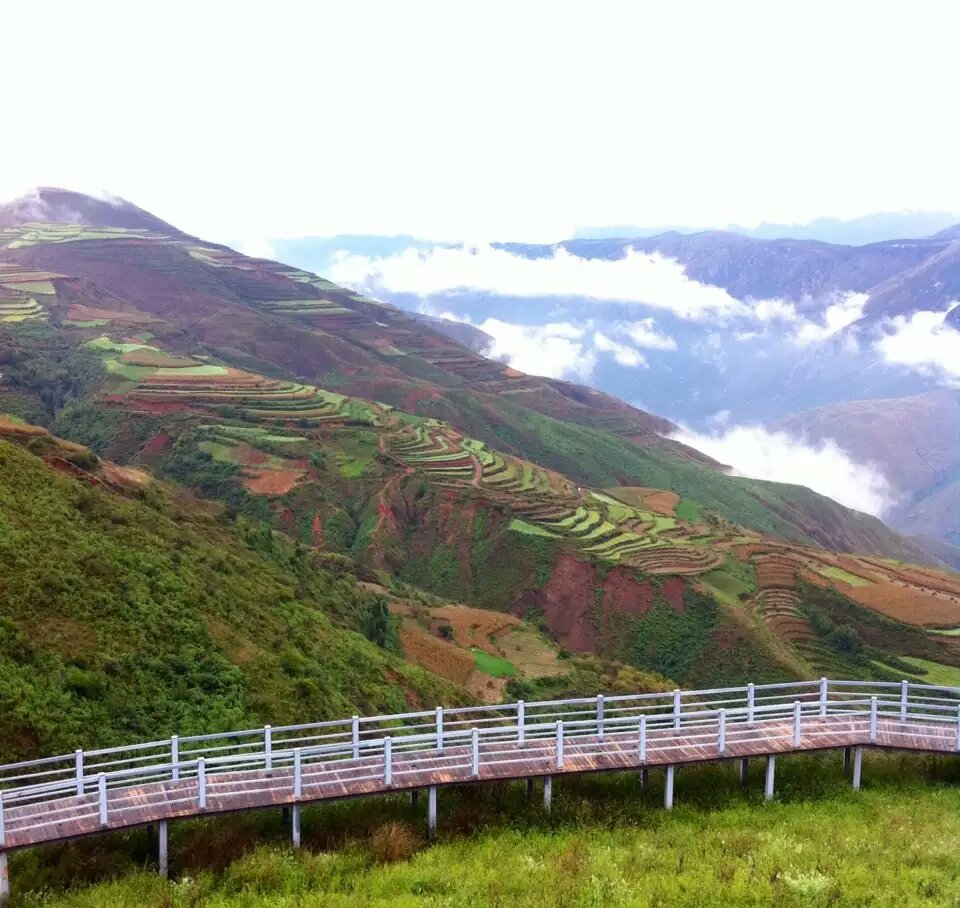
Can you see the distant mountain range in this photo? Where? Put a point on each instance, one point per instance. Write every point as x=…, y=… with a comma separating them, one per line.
x=871, y=228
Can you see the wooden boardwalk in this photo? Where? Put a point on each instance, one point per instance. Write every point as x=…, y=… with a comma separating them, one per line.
x=71, y=817
x=69, y=796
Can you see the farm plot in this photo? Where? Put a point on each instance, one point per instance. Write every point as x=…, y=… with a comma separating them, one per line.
x=910, y=604
x=38, y=233
x=262, y=473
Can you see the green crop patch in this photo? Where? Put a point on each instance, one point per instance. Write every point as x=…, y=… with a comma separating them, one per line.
x=687, y=510
x=529, y=529
x=496, y=666
x=835, y=573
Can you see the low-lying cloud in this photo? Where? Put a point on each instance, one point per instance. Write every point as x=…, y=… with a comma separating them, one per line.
x=565, y=349
x=638, y=277
x=923, y=342
x=824, y=467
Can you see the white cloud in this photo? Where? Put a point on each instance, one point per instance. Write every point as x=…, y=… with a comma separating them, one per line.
x=924, y=343
x=622, y=353
x=554, y=350
x=654, y=280
x=644, y=333
x=256, y=247
x=844, y=311
x=826, y=468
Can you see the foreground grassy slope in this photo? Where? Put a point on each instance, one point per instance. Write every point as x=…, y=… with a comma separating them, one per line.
x=608, y=844
x=137, y=615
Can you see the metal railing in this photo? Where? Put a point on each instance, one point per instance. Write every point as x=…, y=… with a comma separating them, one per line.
x=382, y=750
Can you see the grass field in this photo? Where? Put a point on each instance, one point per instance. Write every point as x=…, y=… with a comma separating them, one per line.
x=935, y=673
x=607, y=844
x=835, y=573
x=494, y=665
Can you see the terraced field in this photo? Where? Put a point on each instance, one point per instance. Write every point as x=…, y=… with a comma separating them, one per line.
x=38, y=232
x=19, y=289
x=162, y=382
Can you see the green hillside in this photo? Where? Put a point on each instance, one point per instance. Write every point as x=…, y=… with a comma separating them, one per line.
x=134, y=613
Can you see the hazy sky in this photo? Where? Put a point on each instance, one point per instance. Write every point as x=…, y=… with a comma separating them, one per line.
x=475, y=120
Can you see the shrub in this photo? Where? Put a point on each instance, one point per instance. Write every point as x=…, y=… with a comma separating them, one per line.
x=392, y=842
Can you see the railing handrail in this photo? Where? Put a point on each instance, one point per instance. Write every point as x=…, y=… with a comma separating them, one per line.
x=368, y=737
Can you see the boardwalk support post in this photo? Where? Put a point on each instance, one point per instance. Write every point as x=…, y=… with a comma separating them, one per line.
x=439, y=729
x=560, y=744
x=547, y=792
x=530, y=784
x=295, y=826
x=644, y=778
x=600, y=718
x=102, y=798
x=846, y=760
x=768, y=782
x=432, y=812
x=750, y=704
x=79, y=763
x=857, y=767
x=414, y=798
x=676, y=708
x=744, y=771
x=873, y=720
x=520, y=723
x=796, y=723
x=824, y=691
x=668, y=788
x=904, y=694
x=722, y=732
x=163, y=859
x=268, y=748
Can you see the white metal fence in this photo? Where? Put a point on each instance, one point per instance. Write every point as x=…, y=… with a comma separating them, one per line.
x=378, y=749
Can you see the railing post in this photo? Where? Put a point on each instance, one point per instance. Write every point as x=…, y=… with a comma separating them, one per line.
x=904, y=694
x=475, y=748
x=796, y=723
x=440, y=729
x=600, y=718
x=268, y=748
x=79, y=765
x=388, y=762
x=3, y=832
x=559, y=744
x=958, y=728
x=722, y=732
x=642, y=745
x=873, y=720
x=175, y=759
x=355, y=734
x=676, y=708
x=297, y=774
x=202, y=782
x=521, y=722
x=750, y=704
x=823, y=696
x=102, y=798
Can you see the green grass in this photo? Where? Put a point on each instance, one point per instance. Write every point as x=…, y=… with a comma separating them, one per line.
x=606, y=845
x=934, y=672
x=180, y=371
x=494, y=665
x=124, y=619
x=835, y=573
x=726, y=585
x=687, y=510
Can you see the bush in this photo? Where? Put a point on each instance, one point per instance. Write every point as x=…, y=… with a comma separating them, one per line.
x=394, y=841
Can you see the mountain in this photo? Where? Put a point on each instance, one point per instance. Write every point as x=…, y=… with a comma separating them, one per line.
x=496, y=513
x=871, y=228
x=916, y=443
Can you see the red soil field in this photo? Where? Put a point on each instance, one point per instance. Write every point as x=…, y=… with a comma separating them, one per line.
x=908, y=604
x=272, y=482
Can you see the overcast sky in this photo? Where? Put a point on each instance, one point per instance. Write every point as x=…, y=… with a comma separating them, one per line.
x=478, y=120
